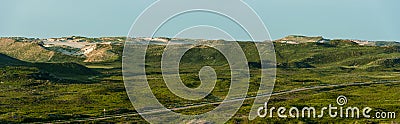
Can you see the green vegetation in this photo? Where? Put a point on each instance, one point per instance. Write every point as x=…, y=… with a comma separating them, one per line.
x=74, y=90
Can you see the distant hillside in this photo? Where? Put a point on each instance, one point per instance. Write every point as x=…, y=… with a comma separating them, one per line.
x=60, y=51
x=296, y=39
x=335, y=54
x=387, y=43
x=28, y=51
x=99, y=50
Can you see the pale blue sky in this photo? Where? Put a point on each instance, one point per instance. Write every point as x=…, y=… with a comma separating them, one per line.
x=353, y=19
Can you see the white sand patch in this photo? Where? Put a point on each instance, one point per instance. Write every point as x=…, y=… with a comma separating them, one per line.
x=66, y=43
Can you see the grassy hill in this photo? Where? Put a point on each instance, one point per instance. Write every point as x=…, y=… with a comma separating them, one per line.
x=34, y=51
x=335, y=54
x=28, y=51
x=69, y=72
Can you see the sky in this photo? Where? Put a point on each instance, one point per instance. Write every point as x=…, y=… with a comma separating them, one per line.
x=344, y=19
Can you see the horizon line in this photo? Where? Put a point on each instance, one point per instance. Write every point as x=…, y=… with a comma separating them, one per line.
x=41, y=38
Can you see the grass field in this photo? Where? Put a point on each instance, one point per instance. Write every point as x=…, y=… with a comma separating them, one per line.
x=68, y=92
